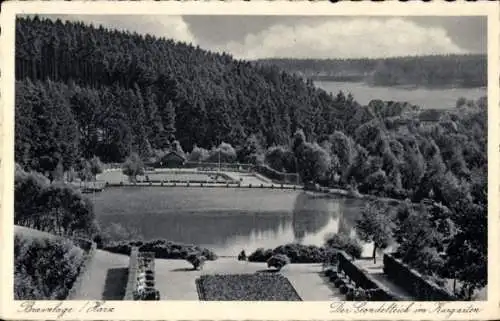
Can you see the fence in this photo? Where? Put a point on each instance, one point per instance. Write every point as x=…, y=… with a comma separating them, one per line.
x=279, y=177
x=264, y=170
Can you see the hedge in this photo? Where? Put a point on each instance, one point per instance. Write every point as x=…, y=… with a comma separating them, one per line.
x=44, y=268
x=162, y=249
x=297, y=253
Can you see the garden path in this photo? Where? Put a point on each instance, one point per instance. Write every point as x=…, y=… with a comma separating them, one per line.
x=105, y=278
x=376, y=270
x=176, y=280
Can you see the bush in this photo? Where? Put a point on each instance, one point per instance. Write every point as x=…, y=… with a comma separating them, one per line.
x=196, y=259
x=147, y=294
x=260, y=255
x=297, y=253
x=334, y=278
x=339, y=282
x=350, y=288
x=349, y=296
x=45, y=269
x=343, y=289
x=278, y=261
x=360, y=295
x=330, y=273
x=345, y=243
x=162, y=249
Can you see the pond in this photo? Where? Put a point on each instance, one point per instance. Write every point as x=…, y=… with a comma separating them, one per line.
x=425, y=98
x=227, y=220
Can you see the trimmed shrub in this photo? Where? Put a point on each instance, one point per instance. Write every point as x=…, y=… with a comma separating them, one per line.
x=360, y=294
x=196, y=259
x=260, y=255
x=345, y=243
x=278, y=261
x=330, y=272
x=297, y=253
x=343, y=289
x=162, y=249
x=147, y=294
x=339, y=282
x=350, y=293
x=334, y=277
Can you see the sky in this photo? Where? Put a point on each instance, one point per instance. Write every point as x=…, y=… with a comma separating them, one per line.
x=254, y=37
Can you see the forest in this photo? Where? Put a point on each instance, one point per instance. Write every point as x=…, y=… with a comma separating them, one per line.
x=85, y=92
x=457, y=71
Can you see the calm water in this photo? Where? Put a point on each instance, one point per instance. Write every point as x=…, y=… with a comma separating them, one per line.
x=227, y=220
x=425, y=98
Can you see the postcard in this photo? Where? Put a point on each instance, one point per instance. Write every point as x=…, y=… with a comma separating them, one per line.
x=249, y=161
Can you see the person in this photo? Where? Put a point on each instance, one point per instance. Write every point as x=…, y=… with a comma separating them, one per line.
x=242, y=256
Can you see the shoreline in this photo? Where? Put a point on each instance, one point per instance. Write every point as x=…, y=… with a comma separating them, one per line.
x=408, y=87
x=208, y=185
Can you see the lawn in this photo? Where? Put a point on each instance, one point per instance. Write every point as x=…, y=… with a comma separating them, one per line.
x=246, y=287
x=115, y=177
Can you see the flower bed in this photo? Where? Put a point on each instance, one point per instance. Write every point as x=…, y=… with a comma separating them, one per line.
x=246, y=287
x=141, y=277
x=162, y=249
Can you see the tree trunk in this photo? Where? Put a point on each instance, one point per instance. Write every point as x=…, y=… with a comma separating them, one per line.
x=374, y=253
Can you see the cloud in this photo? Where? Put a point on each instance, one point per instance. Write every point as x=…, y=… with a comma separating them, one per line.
x=159, y=25
x=354, y=38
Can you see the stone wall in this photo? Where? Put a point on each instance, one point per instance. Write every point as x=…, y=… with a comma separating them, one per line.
x=363, y=279
x=413, y=282
x=132, y=274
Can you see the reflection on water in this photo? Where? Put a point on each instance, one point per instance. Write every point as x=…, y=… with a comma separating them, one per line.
x=227, y=220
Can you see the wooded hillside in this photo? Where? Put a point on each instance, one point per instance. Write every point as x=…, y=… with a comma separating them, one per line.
x=103, y=77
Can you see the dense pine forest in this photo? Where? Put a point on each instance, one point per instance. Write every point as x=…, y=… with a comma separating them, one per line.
x=85, y=91
x=461, y=71
x=102, y=77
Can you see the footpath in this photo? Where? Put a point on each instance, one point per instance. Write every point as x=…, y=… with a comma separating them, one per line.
x=175, y=279
x=105, y=278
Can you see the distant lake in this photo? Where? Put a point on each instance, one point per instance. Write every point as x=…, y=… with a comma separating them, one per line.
x=227, y=220
x=425, y=98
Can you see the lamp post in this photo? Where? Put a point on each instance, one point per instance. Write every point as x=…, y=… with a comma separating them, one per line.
x=219, y=153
